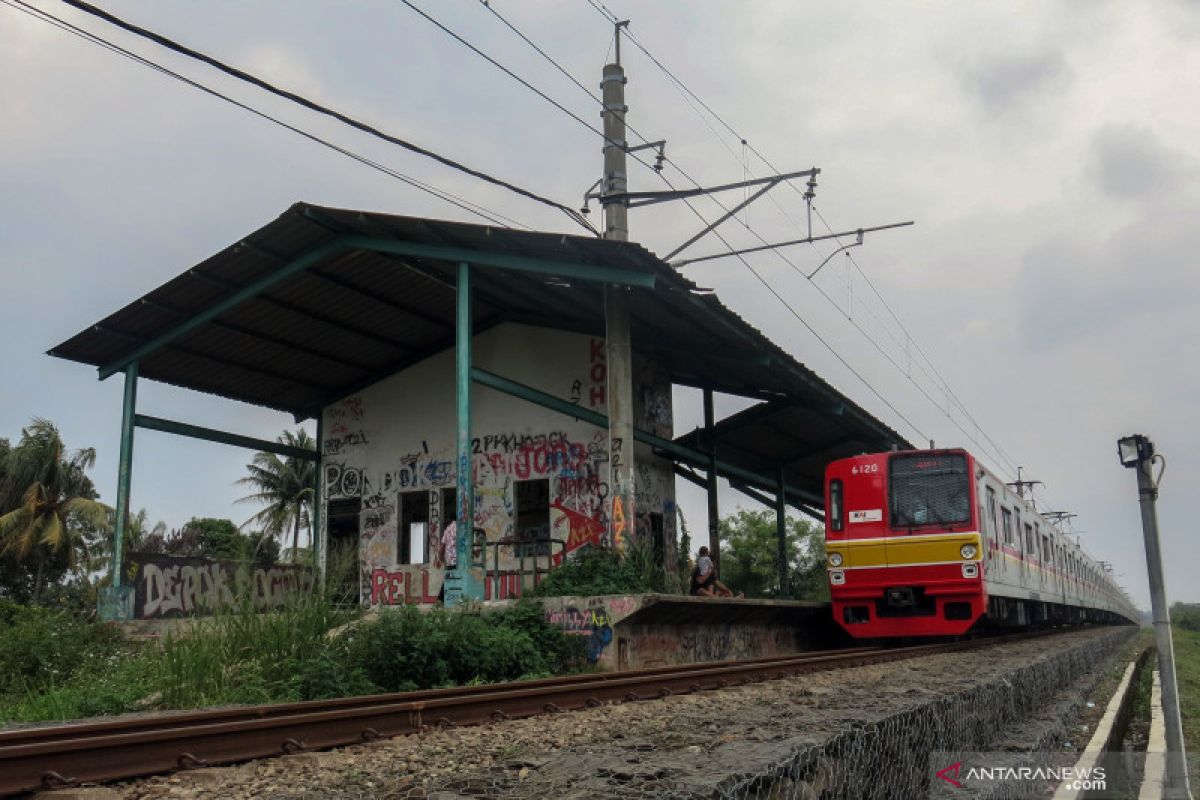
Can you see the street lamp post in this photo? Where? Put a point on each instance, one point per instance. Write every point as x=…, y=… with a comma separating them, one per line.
x=1137, y=452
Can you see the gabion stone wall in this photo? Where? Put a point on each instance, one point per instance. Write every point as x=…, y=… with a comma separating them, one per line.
x=891, y=758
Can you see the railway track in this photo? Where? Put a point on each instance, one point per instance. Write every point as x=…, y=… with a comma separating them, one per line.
x=73, y=754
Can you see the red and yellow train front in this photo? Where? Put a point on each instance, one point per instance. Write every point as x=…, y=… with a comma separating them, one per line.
x=902, y=543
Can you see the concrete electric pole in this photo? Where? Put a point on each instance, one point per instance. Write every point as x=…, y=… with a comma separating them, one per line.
x=619, y=390
x=1137, y=452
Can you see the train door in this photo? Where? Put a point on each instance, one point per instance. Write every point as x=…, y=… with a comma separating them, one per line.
x=991, y=533
x=1023, y=543
x=1008, y=526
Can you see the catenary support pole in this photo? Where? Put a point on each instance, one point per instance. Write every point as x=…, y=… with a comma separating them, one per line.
x=714, y=508
x=781, y=532
x=117, y=606
x=1177, y=776
x=618, y=353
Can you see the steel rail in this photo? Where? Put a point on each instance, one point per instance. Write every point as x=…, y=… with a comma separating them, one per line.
x=72, y=754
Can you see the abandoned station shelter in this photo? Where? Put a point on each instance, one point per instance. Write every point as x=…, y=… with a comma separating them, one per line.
x=517, y=382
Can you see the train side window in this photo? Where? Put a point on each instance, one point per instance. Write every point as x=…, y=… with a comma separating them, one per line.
x=835, y=505
x=1028, y=536
x=1008, y=535
x=1017, y=523
x=1031, y=537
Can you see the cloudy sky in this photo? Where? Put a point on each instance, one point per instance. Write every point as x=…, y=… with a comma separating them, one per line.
x=1045, y=150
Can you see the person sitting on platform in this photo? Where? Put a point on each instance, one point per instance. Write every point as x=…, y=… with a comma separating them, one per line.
x=704, y=578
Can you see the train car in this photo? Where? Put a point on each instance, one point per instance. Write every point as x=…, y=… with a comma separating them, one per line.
x=931, y=543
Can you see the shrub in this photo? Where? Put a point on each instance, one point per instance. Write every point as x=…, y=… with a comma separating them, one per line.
x=400, y=650
x=406, y=649
x=43, y=645
x=561, y=652
x=1186, y=616
x=593, y=571
x=328, y=674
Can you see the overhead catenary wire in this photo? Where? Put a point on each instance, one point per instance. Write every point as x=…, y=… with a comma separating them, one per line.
x=325, y=110
x=475, y=209
x=718, y=234
x=479, y=52
x=909, y=338
x=691, y=96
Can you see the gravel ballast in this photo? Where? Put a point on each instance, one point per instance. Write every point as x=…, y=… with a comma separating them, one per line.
x=774, y=739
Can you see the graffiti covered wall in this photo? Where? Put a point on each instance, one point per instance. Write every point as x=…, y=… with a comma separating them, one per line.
x=392, y=449
x=175, y=586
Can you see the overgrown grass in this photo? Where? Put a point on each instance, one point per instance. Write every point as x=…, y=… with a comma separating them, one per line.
x=1187, y=675
x=243, y=656
x=240, y=656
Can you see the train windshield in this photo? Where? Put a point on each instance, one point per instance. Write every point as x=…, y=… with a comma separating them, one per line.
x=929, y=490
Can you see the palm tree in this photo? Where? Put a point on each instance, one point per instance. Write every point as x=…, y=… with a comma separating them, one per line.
x=50, y=503
x=139, y=535
x=286, y=486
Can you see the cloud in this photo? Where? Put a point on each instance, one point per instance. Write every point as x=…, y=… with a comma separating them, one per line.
x=1130, y=162
x=1082, y=275
x=1008, y=83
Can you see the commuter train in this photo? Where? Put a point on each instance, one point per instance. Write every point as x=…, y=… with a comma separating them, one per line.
x=930, y=543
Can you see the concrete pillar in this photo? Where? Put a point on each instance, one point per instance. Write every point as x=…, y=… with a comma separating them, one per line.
x=619, y=391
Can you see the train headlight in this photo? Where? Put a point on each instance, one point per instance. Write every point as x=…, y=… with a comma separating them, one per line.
x=837, y=577
x=968, y=551
x=835, y=559
x=970, y=570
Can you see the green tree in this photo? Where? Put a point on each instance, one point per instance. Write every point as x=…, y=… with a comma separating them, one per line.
x=207, y=537
x=750, y=556
x=50, y=514
x=1186, y=616
x=140, y=536
x=286, y=487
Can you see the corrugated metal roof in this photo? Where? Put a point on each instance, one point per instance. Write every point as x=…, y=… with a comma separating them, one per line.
x=358, y=316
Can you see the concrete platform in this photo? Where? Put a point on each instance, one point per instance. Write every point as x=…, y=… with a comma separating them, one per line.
x=650, y=630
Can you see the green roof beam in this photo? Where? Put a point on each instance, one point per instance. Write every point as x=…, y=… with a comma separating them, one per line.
x=222, y=437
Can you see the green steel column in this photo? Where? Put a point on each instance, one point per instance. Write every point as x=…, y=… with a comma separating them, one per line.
x=781, y=528
x=318, y=543
x=116, y=605
x=462, y=581
x=714, y=509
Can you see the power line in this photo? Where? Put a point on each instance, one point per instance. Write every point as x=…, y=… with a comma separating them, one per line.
x=449, y=32
x=461, y=40
x=487, y=4
x=466, y=205
x=689, y=96
x=321, y=109
x=939, y=378
x=694, y=210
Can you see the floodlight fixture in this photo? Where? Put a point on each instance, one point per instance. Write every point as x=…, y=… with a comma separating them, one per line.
x=1134, y=450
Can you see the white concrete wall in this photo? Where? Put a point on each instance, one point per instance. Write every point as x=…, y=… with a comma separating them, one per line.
x=399, y=436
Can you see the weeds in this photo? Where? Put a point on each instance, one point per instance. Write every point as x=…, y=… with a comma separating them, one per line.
x=243, y=656
x=600, y=570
